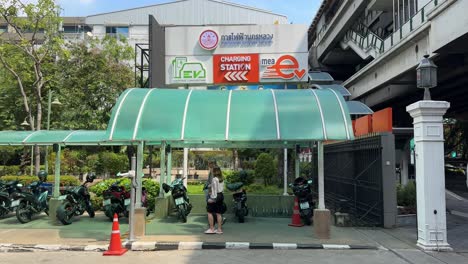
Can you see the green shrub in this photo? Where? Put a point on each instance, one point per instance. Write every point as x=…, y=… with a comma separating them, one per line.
x=152, y=188
x=264, y=168
x=235, y=176
x=112, y=162
x=9, y=170
x=196, y=183
x=262, y=189
x=406, y=195
x=26, y=180
x=248, y=165
x=96, y=201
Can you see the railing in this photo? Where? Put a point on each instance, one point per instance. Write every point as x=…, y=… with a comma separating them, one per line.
x=414, y=22
x=365, y=39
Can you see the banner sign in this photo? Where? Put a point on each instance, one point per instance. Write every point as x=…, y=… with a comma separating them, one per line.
x=236, y=68
x=285, y=67
x=189, y=70
x=239, y=54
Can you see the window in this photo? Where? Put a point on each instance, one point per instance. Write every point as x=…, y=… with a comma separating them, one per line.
x=3, y=28
x=117, y=31
x=76, y=29
x=71, y=29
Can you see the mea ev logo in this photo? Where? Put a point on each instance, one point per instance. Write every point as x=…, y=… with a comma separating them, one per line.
x=285, y=67
x=184, y=71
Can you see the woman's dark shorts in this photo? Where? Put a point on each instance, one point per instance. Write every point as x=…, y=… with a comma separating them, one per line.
x=216, y=207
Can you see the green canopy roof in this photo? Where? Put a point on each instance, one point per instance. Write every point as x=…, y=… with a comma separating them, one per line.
x=193, y=117
x=44, y=137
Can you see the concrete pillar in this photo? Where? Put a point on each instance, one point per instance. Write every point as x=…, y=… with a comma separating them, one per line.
x=322, y=216
x=162, y=168
x=139, y=227
x=430, y=178
x=54, y=202
x=185, y=173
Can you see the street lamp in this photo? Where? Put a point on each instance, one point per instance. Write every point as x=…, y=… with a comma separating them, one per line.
x=426, y=76
x=56, y=102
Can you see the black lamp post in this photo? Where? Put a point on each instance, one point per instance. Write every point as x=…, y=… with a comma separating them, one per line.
x=426, y=76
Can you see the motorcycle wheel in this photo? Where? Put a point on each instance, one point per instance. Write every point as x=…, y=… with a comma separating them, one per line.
x=241, y=216
x=3, y=208
x=109, y=212
x=90, y=211
x=182, y=214
x=23, y=213
x=307, y=218
x=65, y=213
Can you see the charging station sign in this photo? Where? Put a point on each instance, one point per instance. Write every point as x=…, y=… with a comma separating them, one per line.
x=236, y=68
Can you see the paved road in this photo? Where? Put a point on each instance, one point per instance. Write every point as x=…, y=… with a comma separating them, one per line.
x=239, y=256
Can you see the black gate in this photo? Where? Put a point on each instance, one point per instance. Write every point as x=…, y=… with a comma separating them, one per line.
x=354, y=179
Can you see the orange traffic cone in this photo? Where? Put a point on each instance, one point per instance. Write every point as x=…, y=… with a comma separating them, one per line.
x=115, y=246
x=296, y=217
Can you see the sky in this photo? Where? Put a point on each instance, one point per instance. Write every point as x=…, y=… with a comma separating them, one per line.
x=297, y=11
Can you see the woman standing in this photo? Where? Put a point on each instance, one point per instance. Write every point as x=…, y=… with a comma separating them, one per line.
x=215, y=202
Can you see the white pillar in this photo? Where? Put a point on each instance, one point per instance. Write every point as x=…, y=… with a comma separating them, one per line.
x=185, y=173
x=430, y=178
x=285, y=172
x=321, y=172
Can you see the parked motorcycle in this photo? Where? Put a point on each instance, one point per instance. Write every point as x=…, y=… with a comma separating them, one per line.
x=302, y=190
x=75, y=201
x=181, y=200
x=32, y=202
x=8, y=190
x=116, y=200
x=240, y=198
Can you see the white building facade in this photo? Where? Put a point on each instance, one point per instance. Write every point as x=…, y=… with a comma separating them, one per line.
x=133, y=23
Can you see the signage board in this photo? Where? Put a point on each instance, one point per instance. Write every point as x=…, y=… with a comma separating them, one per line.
x=235, y=68
x=283, y=67
x=252, y=54
x=189, y=70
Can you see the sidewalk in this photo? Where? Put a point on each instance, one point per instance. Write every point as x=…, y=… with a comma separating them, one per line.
x=256, y=232
x=457, y=204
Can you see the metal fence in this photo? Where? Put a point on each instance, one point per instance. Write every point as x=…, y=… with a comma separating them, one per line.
x=355, y=178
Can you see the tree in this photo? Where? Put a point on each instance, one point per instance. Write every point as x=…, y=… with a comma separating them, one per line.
x=28, y=51
x=93, y=67
x=264, y=167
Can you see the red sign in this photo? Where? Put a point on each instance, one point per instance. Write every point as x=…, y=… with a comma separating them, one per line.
x=236, y=68
x=285, y=67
